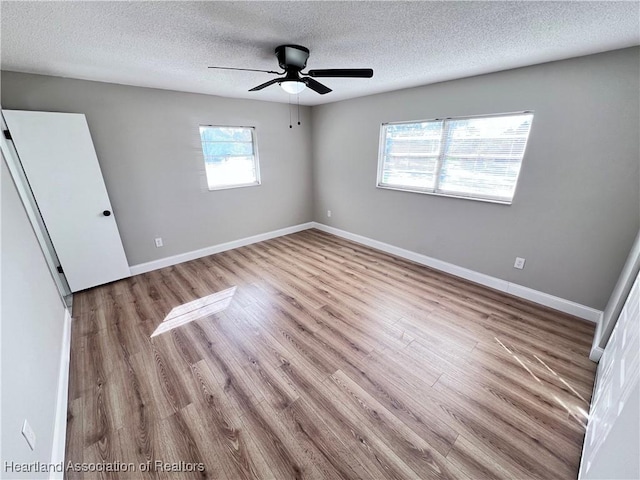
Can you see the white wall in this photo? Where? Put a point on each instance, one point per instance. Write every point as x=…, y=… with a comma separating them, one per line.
x=576, y=210
x=31, y=330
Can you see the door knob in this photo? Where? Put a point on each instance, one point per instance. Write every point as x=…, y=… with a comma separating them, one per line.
x=106, y=213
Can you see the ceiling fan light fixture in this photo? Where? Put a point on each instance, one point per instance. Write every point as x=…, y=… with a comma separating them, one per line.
x=292, y=87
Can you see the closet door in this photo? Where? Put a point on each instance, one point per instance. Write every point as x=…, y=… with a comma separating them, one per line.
x=60, y=163
x=612, y=441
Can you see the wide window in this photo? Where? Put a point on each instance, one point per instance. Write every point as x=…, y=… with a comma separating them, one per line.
x=230, y=156
x=475, y=157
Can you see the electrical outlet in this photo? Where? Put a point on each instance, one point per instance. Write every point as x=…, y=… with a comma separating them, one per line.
x=519, y=263
x=159, y=242
x=328, y=213
x=29, y=434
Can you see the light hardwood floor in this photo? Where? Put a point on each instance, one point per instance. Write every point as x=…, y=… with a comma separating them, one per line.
x=332, y=360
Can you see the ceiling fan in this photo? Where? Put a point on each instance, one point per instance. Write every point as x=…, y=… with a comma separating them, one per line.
x=292, y=59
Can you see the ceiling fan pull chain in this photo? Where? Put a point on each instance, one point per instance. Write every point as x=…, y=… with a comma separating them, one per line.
x=298, y=109
x=290, y=126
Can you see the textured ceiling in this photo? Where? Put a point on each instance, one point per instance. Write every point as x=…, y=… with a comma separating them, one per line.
x=169, y=44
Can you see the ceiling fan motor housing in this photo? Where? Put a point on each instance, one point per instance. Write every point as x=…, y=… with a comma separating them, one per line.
x=292, y=57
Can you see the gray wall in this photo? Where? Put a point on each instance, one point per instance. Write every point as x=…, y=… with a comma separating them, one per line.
x=149, y=150
x=32, y=323
x=577, y=206
x=574, y=216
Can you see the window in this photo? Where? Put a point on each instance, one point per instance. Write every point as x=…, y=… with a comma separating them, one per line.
x=230, y=156
x=475, y=157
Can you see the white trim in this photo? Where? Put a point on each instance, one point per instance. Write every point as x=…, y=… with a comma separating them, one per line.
x=596, y=354
x=256, y=160
x=596, y=350
x=60, y=426
x=557, y=303
x=447, y=195
x=222, y=247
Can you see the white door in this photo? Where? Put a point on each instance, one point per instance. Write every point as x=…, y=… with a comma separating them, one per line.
x=60, y=163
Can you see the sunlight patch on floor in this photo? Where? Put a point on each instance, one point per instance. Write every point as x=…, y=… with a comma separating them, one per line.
x=581, y=411
x=563, y=381
x=518, y=360
x=200, y=308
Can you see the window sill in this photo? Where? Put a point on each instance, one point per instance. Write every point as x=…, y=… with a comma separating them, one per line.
x=229, y=187
x=447, y=195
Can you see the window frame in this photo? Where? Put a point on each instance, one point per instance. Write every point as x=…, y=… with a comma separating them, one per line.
x=256, y=160
x=444, y=120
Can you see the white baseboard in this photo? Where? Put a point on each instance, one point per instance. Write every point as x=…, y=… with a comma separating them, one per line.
x=596, y=350
x=60, y=426
x=595, y=354
x=222, y=247
x=557, y=303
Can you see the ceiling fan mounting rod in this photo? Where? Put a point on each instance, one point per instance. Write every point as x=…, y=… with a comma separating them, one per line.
x=292, y=57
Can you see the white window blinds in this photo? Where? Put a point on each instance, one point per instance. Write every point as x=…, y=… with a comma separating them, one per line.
x=477, y=157
x=230, y=156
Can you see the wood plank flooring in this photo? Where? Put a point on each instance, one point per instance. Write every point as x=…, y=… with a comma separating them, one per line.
x=332, y=361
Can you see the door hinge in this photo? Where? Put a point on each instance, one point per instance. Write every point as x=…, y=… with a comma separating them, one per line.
x=60, y=269
x=7, y=134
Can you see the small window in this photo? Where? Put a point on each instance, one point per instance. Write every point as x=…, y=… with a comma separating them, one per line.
x=230, y=156
x=477, y=157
